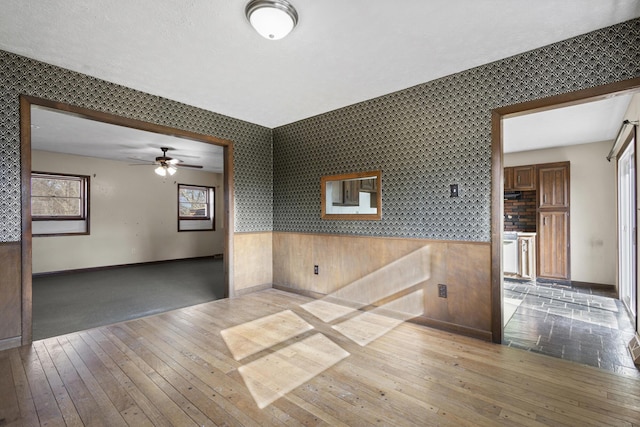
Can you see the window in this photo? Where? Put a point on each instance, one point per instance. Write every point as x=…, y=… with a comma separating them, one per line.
x=196, y=207
x=59, y=204
x=194, y=202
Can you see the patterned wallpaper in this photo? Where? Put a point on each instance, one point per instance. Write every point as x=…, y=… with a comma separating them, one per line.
x=253, y=161
x=432, y=135
x=422, y=138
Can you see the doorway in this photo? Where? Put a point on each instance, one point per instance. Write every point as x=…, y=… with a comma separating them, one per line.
x=498, y=179
x=226, y=222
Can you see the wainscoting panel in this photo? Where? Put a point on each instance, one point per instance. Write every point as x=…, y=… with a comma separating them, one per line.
x=10, y=291
x=253, y=262
x=377, y=270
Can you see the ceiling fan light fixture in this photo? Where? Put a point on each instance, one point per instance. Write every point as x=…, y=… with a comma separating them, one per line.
x=272, y=19
x=165, y=168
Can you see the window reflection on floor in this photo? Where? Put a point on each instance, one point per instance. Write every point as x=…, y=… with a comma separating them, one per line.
x=252, y=337
x=295, y=353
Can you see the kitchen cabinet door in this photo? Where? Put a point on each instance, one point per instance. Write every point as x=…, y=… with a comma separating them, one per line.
x=553, y=186
x=524, y=177
x=351, y=193
x=508, y=179
x=527, y=254
x=553, y=245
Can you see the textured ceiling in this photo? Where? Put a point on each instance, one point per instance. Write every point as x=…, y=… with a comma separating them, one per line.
x=60, y=132
x=595, y=121
x=204, y=53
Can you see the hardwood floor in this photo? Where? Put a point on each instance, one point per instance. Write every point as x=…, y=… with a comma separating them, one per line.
x=176, y=369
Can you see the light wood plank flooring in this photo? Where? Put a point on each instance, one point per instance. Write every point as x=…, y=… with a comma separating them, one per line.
x=176, y=369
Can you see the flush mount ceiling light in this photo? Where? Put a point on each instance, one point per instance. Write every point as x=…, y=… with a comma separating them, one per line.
x=272, y=19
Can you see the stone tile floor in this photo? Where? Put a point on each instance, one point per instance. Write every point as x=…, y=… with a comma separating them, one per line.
x=580, y=324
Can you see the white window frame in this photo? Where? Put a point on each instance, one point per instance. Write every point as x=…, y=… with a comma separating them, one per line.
x=42, y=225
x=198, y=223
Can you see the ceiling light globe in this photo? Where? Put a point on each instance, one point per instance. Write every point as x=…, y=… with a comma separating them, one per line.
x=160, y=170
x=272, y=19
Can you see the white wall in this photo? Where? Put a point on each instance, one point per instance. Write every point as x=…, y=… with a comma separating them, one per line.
x=593, y=207
x=133, y=216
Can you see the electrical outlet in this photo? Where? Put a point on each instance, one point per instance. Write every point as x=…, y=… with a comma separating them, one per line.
x=442, y=291
x=315, y=269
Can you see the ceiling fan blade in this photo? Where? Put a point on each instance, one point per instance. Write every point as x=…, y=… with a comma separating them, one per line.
x=143, y=161
x=164, y=161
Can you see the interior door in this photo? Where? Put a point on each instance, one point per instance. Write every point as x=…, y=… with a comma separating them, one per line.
x=627, y=229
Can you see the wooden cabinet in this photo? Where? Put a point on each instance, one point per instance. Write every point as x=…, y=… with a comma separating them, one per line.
x=553, y=235
x=351, y=193
x=524, y=177
x=508, y=179
x=551, y=182
x=368, y=185
x=553, y=221
x=527, y=251
x=520, y=178
x=553, y=188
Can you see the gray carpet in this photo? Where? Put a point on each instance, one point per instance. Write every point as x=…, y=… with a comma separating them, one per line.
x=72, y=302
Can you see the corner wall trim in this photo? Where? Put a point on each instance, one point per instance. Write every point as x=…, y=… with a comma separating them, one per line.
x=303, y=292
x=451, y=327
x=252, y=289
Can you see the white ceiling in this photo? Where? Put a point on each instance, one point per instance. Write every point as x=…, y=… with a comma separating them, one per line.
x=204, y=52
x=595, y=121
x=60, y=132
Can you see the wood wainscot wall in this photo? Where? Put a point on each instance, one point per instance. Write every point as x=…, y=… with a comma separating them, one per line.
x=374, y=262
x=10, y=295
x=253, y=262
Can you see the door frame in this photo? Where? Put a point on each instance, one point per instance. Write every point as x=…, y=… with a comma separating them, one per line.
x=497, y=174
x=25, y=174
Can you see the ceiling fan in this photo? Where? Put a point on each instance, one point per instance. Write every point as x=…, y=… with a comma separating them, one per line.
x=167, y=165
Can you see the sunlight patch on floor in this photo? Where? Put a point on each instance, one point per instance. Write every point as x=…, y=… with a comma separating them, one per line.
x=327, y=311
x=389, y=297
x=509, y=307
x=252, y=337
x=371, y=325
x=274, y=375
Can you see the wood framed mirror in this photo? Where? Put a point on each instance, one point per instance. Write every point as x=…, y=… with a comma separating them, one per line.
x=352, y=196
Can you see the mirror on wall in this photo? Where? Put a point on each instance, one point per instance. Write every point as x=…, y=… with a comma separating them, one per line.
x=352, y=196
